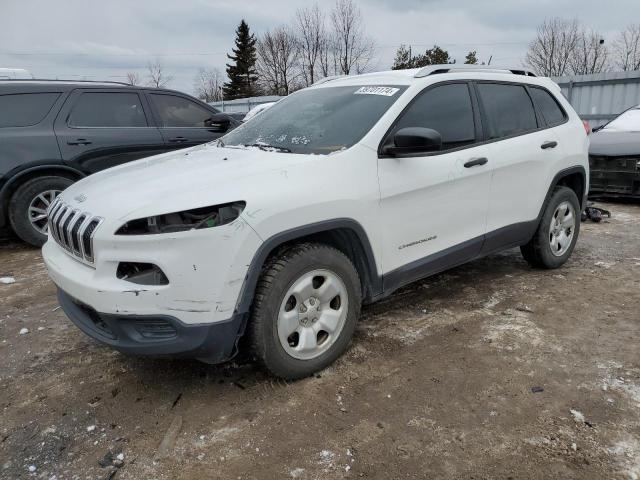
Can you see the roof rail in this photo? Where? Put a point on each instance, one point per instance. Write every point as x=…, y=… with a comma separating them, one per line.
x=328, y=79
x=60, y=80
x=447, y=68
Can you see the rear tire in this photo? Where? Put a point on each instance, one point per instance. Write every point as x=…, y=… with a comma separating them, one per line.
x=28, y=203
x=305, y=310
x=557, y=233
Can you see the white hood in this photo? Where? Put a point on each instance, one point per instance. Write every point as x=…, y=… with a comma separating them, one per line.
x=191, y=178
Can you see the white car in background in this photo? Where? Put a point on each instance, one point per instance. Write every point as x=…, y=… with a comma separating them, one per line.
x=257, y=109
x=337, y=195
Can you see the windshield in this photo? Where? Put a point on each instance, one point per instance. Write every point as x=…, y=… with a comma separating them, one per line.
x=628, y=121
x=318, y=120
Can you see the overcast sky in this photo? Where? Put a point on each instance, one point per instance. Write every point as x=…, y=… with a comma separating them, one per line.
x=103, y=40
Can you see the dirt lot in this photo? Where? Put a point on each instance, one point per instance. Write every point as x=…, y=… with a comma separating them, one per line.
x=491, y=370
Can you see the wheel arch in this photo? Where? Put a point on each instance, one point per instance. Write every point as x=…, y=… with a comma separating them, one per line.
x=345, y=234
x=574, y=178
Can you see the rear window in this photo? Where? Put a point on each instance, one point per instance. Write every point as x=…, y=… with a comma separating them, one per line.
x=548, y=106
x=107, y=109
x=25, y=109
x=508, y=108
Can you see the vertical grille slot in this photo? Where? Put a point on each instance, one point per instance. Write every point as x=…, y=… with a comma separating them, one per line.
x=87, y=239
x=75, y=238
x=66, y=227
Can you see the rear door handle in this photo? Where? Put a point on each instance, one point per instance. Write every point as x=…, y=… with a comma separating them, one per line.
x=546, y=145
x=178, y=140
x=79, y=141
x=476, y=161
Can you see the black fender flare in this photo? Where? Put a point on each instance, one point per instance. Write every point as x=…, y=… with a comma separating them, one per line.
x=556, y=180
x=374, y=278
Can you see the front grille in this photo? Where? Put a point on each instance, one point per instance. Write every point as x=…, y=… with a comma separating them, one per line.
x=73, y=230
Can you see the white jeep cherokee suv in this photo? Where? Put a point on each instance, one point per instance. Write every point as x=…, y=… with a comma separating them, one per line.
x=337, y=195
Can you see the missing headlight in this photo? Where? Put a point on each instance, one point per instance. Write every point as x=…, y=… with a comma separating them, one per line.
x=195, y=219
x=141, y=273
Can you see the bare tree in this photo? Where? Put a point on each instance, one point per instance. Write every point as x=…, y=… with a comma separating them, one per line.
x=627, y=48
x=353, y=49
x=133, y=78
x=157, y=76
x=591, y=55
x=551, y=51
x=208, y=85
x=277, y=61
x=312, y=41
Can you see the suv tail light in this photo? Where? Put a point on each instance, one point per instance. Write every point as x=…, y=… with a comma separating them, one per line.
x=586, y=126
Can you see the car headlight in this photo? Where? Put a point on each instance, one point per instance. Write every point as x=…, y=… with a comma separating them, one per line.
x=195, y=219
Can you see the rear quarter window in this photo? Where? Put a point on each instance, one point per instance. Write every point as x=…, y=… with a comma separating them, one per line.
x=548, y=106
x=25, y=109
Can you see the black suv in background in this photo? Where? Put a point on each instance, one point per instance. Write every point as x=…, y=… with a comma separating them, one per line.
x=55, y=132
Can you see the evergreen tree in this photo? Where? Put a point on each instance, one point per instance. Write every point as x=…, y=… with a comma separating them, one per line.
x=471, y=58
x=403, y=59
x=432, y=56
x=242, y=74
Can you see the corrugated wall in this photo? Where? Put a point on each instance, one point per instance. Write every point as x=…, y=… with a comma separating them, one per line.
x=600, y=97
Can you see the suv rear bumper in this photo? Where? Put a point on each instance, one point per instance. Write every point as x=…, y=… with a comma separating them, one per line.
x=157, y=335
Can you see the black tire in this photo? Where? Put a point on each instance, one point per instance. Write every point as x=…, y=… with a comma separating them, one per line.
x=538, y=252
x=280, y=272
x=19, y=206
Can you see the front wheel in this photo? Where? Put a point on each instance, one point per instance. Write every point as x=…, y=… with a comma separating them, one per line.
x=557, y=233
x=305, y=310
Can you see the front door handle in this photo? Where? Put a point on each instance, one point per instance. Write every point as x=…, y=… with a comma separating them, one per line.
x=476, y=161
x=178, y=140
x=79, y=141
x=546, y=145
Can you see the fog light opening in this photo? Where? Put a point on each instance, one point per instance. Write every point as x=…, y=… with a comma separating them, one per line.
x=141, y=273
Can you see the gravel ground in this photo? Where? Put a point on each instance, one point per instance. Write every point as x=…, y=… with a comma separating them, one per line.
x=491, y=370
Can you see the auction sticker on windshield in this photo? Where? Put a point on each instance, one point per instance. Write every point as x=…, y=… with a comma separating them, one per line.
x=385, y=91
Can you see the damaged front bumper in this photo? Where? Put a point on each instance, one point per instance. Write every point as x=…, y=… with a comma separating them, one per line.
x=157, y=335
x=191, y=313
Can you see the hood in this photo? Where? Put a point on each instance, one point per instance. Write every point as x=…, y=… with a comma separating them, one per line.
x=614, y=143
x=190, y=178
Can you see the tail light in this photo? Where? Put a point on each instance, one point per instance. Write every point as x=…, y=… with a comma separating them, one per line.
x=587, y=127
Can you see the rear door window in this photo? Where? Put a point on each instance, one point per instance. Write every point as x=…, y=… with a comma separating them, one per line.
x=107, y=109
x=548, y=106
x=508, y=109
x=177, y=111
x=25, y=109
x=446, y=109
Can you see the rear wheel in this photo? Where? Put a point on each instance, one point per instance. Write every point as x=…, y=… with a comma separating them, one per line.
x=305, y=310
x=28, y=207
x=557, y=233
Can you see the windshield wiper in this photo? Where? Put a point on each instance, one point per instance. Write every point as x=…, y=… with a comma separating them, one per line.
x=266, y=147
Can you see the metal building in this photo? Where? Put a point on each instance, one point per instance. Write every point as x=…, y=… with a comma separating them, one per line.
x=243, y=105
x=599, y=97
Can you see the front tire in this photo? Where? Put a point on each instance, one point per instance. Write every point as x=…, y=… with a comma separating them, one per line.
x=305, y=310
x=557, y=233
x=28, y=205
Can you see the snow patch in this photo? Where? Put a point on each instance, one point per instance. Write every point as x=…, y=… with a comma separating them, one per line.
x=577, y=415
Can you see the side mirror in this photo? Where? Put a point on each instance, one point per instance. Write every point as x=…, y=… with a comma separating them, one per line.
x=218, y=122
x=414, y=140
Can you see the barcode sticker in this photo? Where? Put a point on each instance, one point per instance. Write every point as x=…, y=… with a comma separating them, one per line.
x=384, y=91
